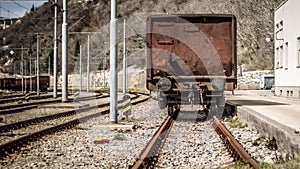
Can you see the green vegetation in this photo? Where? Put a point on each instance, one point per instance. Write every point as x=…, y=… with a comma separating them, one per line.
x=235, y=123
x=127, y=131
x=119, y=136
x=255, y=23
x=291, y=164
x=259, y=140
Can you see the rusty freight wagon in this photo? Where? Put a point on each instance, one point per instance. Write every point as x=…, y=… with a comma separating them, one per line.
x=191, y=59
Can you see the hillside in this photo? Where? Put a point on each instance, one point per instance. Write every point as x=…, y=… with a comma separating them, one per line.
x=255, y=23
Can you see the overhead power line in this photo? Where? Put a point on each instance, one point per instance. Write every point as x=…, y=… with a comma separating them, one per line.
x=10, y=12
x=20, y=5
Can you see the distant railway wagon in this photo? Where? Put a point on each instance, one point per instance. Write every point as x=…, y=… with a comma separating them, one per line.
x=191, y=59
x=7, y=83
x=15, y=84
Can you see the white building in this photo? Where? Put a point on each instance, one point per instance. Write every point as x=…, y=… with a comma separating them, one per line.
x=287, y=49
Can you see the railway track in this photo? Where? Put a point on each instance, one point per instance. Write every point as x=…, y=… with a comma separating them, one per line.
x=149, y=156
x=11, y=99
x=16, y=108
x=44, y=118
x=233, y=146
x=71, y=119
x=173, y=155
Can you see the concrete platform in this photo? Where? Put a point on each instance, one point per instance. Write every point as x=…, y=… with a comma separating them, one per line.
x=276, y=117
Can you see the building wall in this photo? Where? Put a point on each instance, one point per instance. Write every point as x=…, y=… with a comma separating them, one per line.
x=287, y=49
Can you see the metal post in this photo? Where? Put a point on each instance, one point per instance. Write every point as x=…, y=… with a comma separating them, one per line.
x=80, y=67
x=124, y=60
x=49, y=69
x=30, y=78
x=113, y=64
x=55, y=52
x=37, y=65
x=64, y=54
x=88, y=66
x=15, y=69
x=104, y=67
x=22, y=69
x=25, y=83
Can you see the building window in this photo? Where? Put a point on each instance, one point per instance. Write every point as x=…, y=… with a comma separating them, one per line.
x=279, y=31
x=298, y=52
x=280, y=56
x=277, y=57
x=286, y=55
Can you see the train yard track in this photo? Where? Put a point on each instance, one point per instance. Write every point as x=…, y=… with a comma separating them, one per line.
x=32, y=129
x=158, y=155
x=15, y=108
x=233, y=146
x=15, y=98
x=149, y=156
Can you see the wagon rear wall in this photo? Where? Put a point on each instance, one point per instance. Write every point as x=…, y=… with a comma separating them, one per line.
x=191, y=46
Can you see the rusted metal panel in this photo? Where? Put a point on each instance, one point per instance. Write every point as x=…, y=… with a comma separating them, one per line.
x=191, y=45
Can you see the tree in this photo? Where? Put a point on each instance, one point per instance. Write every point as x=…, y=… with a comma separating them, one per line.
x=32, y=8
x=77, y=51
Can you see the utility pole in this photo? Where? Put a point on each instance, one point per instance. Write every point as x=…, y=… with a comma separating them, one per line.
x=37, y=64
x=104, y=66
x=113, y=64
x=80, y=67
x=124, y=59
x=25, y=84
x=15, y=71
x=49, y=68
x=65, y=54
x=88, y=56
x=22, y=69
x=88, y=66
x=30, y=78
x=55, y=52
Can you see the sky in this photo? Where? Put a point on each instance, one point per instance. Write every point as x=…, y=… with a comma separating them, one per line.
x=17, y=8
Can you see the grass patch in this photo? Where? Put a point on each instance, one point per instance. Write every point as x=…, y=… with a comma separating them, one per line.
x=119, y=136
x=259, y=140
x=235, y=123
x=127, y=131
x=291, y=164
x=127, y=120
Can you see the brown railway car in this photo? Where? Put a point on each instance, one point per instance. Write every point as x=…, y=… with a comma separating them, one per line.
x=15, y=84
x=8, y=83
x=43, y=85
x=191, y=59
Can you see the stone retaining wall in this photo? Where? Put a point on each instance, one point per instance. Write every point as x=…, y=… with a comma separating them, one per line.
x=250, y=80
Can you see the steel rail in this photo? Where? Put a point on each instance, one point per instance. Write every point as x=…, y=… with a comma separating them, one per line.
x=149, y=155
x=25, y=123
x=11, y=146
x=13, y=106
x=234, y=147
x=10, y=109
x=19, y=98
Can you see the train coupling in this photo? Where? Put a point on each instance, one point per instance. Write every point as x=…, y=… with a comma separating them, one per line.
x=191, y=98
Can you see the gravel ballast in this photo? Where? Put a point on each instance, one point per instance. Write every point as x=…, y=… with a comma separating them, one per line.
x=75, y=148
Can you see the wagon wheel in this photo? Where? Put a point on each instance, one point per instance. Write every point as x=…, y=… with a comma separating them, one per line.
x=174, y=108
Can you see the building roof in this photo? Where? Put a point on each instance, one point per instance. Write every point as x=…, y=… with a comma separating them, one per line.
x=280, y=5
